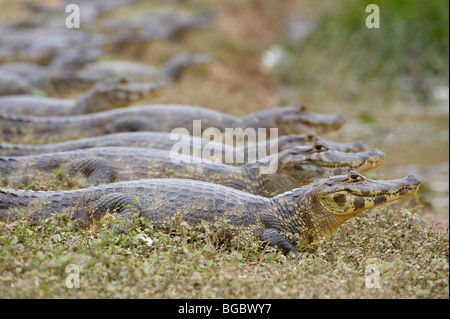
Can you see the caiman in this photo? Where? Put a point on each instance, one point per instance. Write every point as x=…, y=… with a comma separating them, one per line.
x=42, y=45
x=13, y=84
x=289, y=221
x=172, y=70
x=164, y=118
x=56, y=14
x=24, y=78
x=291, y=168
x=195, y=145
x=154, y=26
x=105, y=95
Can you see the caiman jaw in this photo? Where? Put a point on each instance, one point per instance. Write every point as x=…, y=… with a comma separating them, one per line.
x=359, y=162
x=322, y=123
x=349, y=195
x=375, y=158
x=128, y=92
x=301, y=120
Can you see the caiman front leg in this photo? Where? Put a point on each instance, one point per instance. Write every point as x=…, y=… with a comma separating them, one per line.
x=274, y=238
x=126, y=209
x=97, y=170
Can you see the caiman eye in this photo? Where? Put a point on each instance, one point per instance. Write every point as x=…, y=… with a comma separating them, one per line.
x=123, y=80
x=319, y=147
x=311, y=136
x=354, y=177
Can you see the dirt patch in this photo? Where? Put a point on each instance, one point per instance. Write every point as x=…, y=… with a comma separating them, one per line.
x=435, y=220
x=233, y=82
x=250, y=24
x=255, y=30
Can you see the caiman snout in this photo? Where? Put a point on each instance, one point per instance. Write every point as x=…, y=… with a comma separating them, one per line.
x=375, y=155
x=330, y=122
x=372, y=159
x=358, y=146
x=339, y=120
x=413, y=180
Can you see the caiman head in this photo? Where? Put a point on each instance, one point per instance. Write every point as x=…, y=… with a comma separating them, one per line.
x=304, y=164
x=118, y=92
x=175, y=67
x=292, y=140
x=297, y=119
x=331, y=201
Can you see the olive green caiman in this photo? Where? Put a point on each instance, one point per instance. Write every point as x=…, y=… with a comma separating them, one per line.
x=165, y=118
x=288, y=221
x=291, y=168
x=105, y=95
x=195, y=145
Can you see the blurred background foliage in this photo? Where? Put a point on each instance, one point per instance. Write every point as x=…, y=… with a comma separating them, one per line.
x=402, y=59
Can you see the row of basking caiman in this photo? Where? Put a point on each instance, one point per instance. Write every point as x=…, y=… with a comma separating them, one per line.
x=123, y=164
x=316, y=185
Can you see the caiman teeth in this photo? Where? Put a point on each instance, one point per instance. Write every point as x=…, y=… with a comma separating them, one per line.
x=345, y=165
x=398, y=192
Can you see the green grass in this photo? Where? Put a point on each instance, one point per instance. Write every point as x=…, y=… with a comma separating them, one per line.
x=35, y=262
x=38, y=259
x=341, y=62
